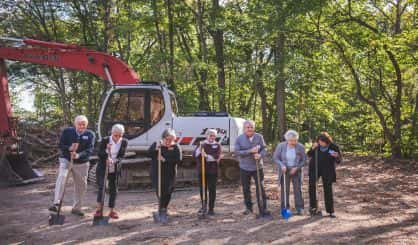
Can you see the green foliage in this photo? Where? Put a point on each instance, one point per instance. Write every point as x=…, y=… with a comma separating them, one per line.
x=327, y=46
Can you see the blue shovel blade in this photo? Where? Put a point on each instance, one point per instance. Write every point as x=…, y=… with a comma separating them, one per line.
x=286, y=213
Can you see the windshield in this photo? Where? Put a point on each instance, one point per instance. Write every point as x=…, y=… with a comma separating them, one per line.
x=136, y=109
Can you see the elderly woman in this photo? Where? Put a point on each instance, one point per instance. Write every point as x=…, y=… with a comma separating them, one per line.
x=211, y=151
x=111, y=151
x=324, y=155
x=290, y=157
x=169, y=157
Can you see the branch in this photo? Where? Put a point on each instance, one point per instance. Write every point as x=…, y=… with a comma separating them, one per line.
x=359, y=92
x=381, y=11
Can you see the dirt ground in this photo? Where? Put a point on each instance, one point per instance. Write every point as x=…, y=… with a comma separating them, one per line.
x=375, y=201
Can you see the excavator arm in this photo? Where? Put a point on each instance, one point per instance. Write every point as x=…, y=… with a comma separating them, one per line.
x=14, y=167
x=55, y=54
x=73, y=57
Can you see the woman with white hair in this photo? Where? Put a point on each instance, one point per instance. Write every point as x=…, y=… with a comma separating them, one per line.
x=168, y=153
x=290, y=157
x=211, y=151
x=111, y=151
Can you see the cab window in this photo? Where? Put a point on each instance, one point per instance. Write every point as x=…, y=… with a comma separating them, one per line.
x=128, y=108
x=137, y=109
x=157, y=107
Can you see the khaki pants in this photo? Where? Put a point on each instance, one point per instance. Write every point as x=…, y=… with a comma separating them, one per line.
x=79, y=172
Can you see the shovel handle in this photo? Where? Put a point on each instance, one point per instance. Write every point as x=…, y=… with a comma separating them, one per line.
x=284, y=190
x=104, y=185
x=260, y=195
x=203, y=168
x=65, y=184
x=316, y=165
x=159, y=172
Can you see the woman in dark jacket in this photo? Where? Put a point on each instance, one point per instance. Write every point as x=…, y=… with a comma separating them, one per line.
x=111, y=151
x=324, y=155
x=171, y=155
x=212, y=154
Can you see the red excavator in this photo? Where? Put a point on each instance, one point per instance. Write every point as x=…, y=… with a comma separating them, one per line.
x=145, y=109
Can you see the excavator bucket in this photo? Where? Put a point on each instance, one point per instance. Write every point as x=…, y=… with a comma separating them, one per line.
x=16, y=170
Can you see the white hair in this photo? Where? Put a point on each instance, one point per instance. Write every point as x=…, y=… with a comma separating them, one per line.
x=168, y=132
x=118, y=128
x=211, y=131
x=81, y=118
x=250, y=122
x=291, y=134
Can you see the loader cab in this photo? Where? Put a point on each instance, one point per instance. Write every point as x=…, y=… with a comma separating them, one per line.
x=138, y=107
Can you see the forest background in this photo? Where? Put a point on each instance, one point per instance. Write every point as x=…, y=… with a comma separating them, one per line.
x=347, y=67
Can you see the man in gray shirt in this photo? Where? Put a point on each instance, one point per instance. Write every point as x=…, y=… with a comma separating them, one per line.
x=249, y=148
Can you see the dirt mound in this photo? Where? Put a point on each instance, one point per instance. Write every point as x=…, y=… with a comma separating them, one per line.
x=40, y=144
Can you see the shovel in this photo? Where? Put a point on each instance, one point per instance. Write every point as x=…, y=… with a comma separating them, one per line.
x=286, y=213
x=102, y=220
x=203, y=168
x=156, y=215
x=58, y=218
x=261, y=213
x=260, y=195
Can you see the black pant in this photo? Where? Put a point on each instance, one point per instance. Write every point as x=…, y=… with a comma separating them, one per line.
x=167, y=185
x=328, y=196
x=246, y=188
x=112, y=183
x=164, y=200
x=210, y=185
x=166, y=192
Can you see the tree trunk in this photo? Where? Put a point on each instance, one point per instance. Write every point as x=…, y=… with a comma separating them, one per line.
x=160, y=37
x=396, y=109
x=280, y=85
x=107, y=7
x=218, y=41
x=170, y=79
x=414, y=130
x=203, y=71
x=264, y=106
x=66, y=112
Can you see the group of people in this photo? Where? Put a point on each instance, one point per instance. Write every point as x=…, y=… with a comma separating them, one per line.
x=290, y=158
x=77, y=143
x=76, y=146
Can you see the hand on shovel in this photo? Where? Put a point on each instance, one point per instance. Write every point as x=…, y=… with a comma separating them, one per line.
x=73, y=147
x=284, y=169
x=293, y=171
x=109, y=148
x=109, y=161
x=162, y=159
x=257, y=156
x=73, y=150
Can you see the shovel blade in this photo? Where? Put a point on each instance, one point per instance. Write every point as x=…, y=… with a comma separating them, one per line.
x=201, y=216
x=286, y=213
x=102, y=220
x=55, y=219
